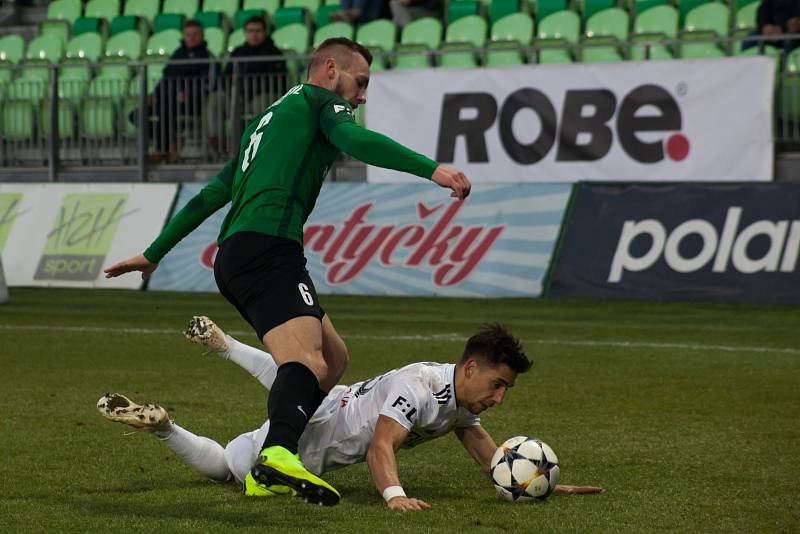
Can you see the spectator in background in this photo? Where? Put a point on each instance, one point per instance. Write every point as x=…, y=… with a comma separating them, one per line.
x=181, y=88
x=358, y=11
x=405, y=11
x=776, y=18
x=257, y=83
x=257, y=76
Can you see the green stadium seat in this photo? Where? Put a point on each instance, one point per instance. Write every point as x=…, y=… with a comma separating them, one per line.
x=226, y=7
x=685, y=6
x=6, y=73
x=418, y=37
x=30, y=84
x=611, y=22
x=18, y=119
x=125, y=23
x=712, y=17
x=67, y=10
x=607, y=29
x=545, y=8
x=168, y=21
x=504, y=54
x=102, y=9
x=112, y=81
x=589, y=7
x=457, y=55
x=640, y=6
x=73, y=79
x=46, y=47
x=293, y=38
x=270, y=6
x=746, y=18
x=412, y=57
x=89, y=25
x=502, y=8
x=215, y=39
x=127, y=44
x=310, y=5
x=380, y=34
x=163, y=43
x=700, y=50
x=98, y=118
x=656, y=24
x=770, y=51
x=187, y=8
x=471, y=29
x=324, y=14
x=554, y=32
x=12, y=49
x=515, y=27
x=334, y=29
x=146, y=9
x=235, y=39
x=426, y=31
x=56, y=28
x=290, y=15
x=246, y=14
x=211, y=19
x=66, y=124
x=86, y=45
x=462, y=8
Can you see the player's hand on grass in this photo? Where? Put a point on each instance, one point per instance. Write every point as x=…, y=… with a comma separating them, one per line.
x=407, y=503
x=578, y=490
x=452, y=179
x=136, y=263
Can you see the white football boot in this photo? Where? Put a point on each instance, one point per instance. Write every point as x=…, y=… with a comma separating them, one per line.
x=204, y=331
x=120, y=409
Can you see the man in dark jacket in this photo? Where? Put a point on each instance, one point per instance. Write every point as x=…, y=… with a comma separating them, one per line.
x=257, y=76
x=776, y=18
x=182, y=86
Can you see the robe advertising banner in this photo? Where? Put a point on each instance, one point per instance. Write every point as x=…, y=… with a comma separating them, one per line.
x=64, y=235
x=365, y=239
x=681, y=242
x=680, y=120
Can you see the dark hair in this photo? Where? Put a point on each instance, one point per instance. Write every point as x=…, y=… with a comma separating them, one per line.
x=192, y=23
x=495, y=345
x=329, y=46
x=256, y=19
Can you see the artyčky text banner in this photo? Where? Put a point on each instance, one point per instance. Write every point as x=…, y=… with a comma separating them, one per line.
x=366, y=239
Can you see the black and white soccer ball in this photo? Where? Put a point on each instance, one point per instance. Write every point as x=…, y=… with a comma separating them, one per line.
x=524, y=469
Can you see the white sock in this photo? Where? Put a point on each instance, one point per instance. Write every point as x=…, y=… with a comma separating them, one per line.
x=202, y=454
x=256, y=362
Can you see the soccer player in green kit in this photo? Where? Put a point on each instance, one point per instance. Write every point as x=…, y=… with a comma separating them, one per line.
x=272, y=184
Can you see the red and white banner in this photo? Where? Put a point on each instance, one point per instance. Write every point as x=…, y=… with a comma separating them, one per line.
x=694, y=120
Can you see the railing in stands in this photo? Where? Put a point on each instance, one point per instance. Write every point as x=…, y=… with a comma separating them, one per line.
x=192, y=120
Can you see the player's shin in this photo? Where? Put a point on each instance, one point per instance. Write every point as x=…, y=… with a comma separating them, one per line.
x=202, y=454
x=292, y=401
x=258, y=363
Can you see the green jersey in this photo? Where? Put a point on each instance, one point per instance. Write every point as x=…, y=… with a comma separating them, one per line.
x=273, y=181
x=283, y=158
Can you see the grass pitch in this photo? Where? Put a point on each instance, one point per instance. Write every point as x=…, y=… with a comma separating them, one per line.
x=688, y=414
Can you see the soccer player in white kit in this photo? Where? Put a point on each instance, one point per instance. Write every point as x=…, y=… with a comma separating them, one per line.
x=371, y=419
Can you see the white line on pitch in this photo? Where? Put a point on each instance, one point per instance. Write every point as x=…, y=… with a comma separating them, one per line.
x=429, y=337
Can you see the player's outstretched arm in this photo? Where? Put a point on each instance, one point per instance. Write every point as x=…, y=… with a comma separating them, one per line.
x=379, y=150
x=386, y=440
x=212, y=197
x=479, y=444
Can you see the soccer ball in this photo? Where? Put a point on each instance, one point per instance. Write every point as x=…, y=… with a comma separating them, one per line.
x=524, y=469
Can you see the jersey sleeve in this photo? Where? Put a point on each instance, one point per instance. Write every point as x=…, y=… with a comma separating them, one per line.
x=379, y=150
x=333, y=112
x=405, y=403
x=212, y=197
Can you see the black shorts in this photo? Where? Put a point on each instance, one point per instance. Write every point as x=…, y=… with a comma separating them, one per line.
x=265, y=278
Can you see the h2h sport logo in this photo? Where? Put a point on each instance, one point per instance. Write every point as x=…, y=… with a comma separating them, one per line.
x=585, y=129
x=82, y=234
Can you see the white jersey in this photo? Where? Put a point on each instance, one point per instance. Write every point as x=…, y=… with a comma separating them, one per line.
x=421, y=397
